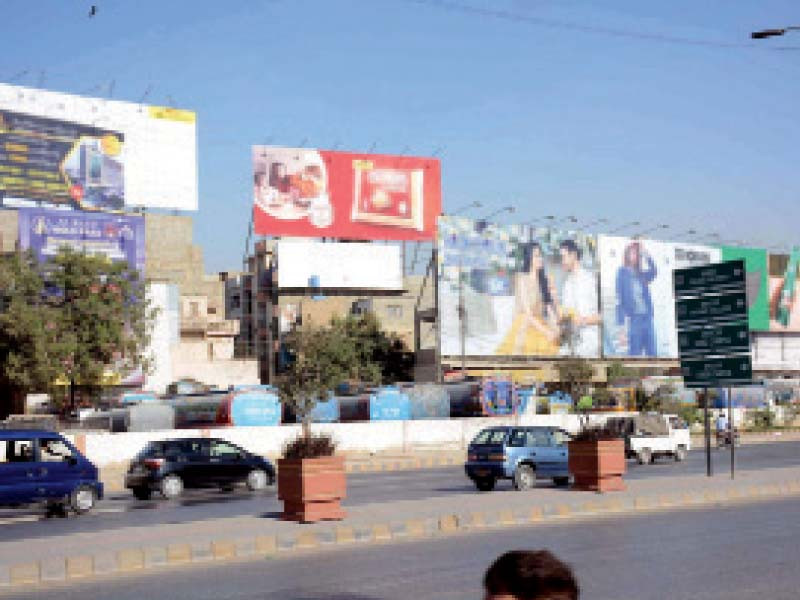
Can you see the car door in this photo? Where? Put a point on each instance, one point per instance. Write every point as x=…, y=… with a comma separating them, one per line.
x=228, y=463
x=18, y=477
x=547, y=455
x=59, y=470
x=192, y=462
x=560, y=440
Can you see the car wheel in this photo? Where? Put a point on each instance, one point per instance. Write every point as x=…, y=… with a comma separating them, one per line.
x=171, y=487
x=257, y=480
x=524, y=478
x=485, y=484
x=561, y=481
x=82, y=499
x=645, y=456
x=680, y=454
x=142, y=493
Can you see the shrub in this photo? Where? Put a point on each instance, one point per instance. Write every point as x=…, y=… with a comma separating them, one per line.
x=310, y=446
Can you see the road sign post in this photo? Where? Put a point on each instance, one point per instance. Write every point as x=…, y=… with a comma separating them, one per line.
x=713, y=334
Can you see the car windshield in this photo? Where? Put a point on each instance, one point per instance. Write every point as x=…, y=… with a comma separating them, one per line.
x=490, y=436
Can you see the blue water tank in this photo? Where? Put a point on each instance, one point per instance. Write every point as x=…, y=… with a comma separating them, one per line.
x=389, y=404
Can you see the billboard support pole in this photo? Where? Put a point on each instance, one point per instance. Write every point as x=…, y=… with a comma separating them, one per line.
x=435, y=265
x=462, y=322
x=731, y=428
x=707, y=422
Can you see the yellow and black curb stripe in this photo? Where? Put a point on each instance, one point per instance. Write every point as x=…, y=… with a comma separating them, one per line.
x=149, y=559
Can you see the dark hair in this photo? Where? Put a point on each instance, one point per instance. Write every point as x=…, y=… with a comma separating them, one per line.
x=531, y=575
x=570, y=246
x=544, y=285
x=626, y=258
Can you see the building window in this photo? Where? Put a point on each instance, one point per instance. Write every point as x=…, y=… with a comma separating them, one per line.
x=394, y=311
x=212, y=310
x=194, y=309
x=236, y=302
x=211, y=351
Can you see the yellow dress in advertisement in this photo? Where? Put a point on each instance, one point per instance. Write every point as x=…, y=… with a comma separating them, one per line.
x=530, y=334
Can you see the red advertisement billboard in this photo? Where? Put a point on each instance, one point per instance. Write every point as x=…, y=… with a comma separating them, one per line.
x=324, y=193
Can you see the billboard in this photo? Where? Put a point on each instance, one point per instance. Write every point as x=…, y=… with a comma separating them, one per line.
x=756, y=282
x=65, y=151
x=310, y=264
x=324, y=193
x=117, y=237
x=784, y=308
x=637, y=293
x=526, y=291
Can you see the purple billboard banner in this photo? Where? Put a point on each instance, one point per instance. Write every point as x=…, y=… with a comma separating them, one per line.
x=117, y=237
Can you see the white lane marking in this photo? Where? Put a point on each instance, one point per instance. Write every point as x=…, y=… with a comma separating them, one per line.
x=20, y=519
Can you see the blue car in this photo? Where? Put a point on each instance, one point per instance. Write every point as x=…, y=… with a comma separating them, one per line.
x=521, y=454
x=43, y=467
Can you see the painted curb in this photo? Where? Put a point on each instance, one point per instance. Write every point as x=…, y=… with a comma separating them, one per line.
x=152, y=559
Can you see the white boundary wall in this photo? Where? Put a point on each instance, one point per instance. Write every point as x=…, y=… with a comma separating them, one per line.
x=367, y=437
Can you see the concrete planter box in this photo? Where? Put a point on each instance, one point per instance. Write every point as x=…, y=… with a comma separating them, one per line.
x=597, y=465
x=312, y=488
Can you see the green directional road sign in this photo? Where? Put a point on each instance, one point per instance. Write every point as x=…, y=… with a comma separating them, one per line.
x=711, y=317
x=711, y=310
x=718, y=278
x=721, y=340
x=710, y=372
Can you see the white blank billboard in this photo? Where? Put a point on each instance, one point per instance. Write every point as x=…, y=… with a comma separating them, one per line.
x=339, y=265
x=153, y=149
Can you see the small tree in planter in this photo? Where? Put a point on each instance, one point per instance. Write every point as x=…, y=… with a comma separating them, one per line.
x=597, y=460
x=311, y=478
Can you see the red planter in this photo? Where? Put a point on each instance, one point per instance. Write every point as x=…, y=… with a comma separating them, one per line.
x=312, y=488
x=597, y=465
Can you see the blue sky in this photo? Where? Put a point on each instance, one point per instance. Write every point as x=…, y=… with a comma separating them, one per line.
x=525, y=109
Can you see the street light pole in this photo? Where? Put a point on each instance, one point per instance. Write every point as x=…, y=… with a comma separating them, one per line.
x=465, y=208
x=508, y=209
x=768, y=33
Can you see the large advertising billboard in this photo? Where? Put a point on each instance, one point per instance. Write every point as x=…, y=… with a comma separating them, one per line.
x=64, y=151
x=525, y=291
x=637, y=293
x=353, y=265
x=756, y=282
x=324, y=193
x=116, y=237
x=784, y=290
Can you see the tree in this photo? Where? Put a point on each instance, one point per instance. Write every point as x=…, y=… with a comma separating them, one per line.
x=72, y=318
x=31, y=349
x=575, y=374
x=323, y=357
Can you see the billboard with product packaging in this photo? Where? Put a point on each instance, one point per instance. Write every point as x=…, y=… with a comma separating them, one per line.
x=756, y=282
x=65, y=151
x=324, y=193
x=525, y=291
x=638, y=301
x=784, y=307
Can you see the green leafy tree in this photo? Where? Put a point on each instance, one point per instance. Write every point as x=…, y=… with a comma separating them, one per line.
x=322, y=358
x=32, y=353
x=575, y=374
x=84, y=315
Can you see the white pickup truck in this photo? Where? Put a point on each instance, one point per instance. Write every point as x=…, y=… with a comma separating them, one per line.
x=649, y=436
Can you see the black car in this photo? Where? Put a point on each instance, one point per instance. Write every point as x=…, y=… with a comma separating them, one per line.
x=169, y=466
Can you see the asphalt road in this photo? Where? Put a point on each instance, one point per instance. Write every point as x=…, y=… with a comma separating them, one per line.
x=731, y=553
x=121, y=510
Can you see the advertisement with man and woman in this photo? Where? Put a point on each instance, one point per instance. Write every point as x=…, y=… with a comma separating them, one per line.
x=524, y=291
x=637, y=294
